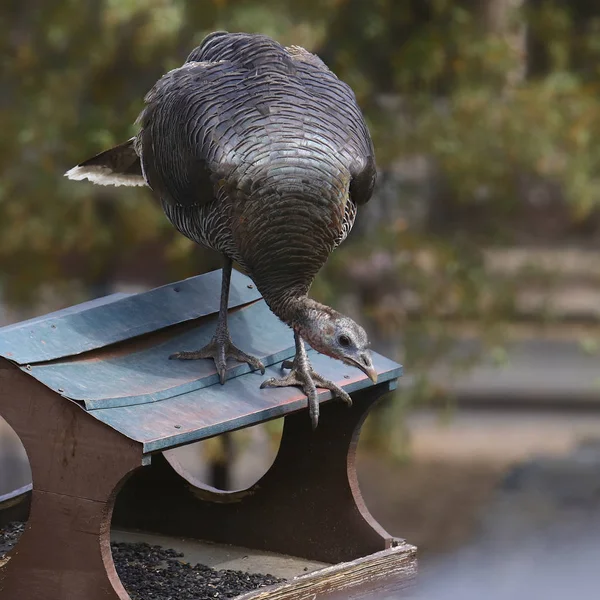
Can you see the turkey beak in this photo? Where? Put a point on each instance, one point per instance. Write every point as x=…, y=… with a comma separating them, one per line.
x=365, y=364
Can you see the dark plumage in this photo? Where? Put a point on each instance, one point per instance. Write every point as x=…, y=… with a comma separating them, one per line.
x=261, y=153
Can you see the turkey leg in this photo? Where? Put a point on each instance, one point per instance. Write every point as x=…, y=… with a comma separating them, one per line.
x=303, y=376
x=220, y=348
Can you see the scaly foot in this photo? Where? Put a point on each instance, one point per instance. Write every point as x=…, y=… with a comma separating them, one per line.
x=220, y=349
x=303, y=376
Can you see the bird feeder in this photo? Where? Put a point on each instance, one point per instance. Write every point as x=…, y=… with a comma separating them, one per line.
x=96, y=403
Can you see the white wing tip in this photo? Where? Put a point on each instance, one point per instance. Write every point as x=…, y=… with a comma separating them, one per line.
x=103, y=176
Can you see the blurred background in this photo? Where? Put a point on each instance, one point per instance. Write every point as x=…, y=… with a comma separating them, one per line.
x=475, y=264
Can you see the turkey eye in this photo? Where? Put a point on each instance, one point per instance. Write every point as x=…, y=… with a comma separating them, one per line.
x=344, y=340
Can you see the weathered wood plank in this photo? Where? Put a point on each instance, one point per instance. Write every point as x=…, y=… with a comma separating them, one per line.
x=239, y=403
x=140, y=371
x=84, y=328
x=390, y=571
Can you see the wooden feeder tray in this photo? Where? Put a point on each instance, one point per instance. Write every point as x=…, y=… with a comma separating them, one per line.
x=92, y=395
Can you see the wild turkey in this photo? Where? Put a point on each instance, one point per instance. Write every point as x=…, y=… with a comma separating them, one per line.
x=261, y=153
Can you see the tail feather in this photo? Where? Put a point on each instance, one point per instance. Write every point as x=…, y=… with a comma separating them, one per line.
x=118, y=166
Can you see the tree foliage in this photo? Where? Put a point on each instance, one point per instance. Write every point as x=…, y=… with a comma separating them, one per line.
x=499, y=98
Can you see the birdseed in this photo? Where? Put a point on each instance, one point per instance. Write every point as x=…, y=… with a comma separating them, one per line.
x=156, y=573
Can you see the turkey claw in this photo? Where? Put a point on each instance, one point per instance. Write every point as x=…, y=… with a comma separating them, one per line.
x=308, y=380
x=220, y=350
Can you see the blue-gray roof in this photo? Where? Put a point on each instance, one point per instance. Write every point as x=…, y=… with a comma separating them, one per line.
x=111, y=357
